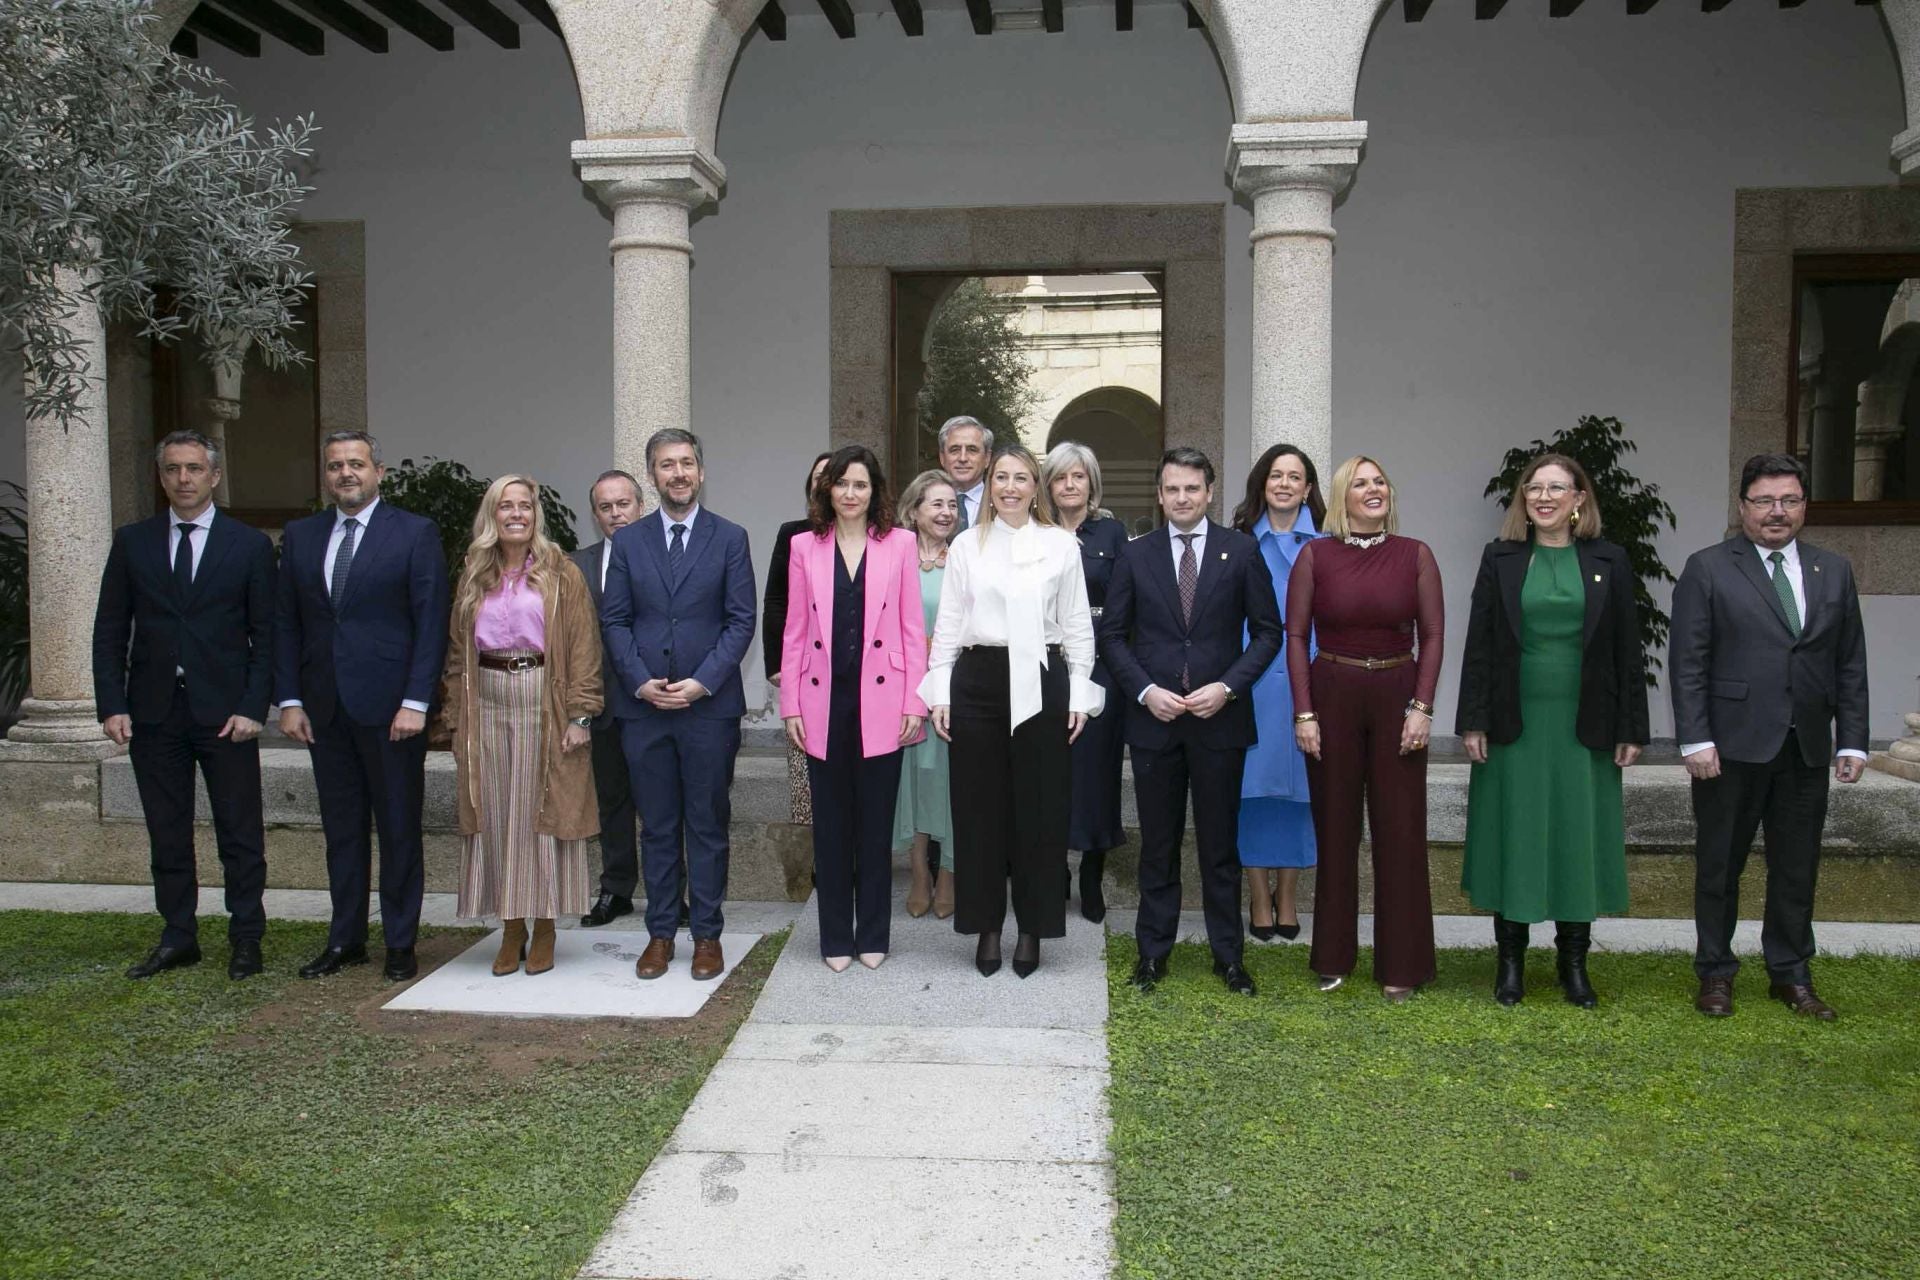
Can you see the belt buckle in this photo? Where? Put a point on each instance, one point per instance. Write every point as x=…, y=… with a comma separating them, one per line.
x=1369, y=664
x=519, y=663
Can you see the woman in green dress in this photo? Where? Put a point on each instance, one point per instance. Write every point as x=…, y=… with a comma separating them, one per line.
x=1553, y=704
x=930, y=507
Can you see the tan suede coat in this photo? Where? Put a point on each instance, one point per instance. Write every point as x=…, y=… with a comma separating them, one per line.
x=568, y=808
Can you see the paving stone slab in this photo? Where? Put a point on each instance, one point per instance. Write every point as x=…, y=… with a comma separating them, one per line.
x=592, y=977
x=899, y=1109
x=717, y=1215
x=811, y=1044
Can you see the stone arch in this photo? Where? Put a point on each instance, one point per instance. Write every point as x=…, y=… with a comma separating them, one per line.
x=1880, y=422
x=1124, y=428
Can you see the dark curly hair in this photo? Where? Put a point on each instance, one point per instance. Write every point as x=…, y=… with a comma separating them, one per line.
x=879, y=506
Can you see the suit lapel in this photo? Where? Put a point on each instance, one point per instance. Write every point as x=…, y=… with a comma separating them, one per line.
x=596, y=570
x=699, y=537
x=1813, y=585
x=1510, y=563
x=823, y=567
x=1593, y=576
x=219, y=541
x=1160, y=568
x=372, y=537
x=881, y=577
x=1748, y=561
x=154, y=547
x=1213, y=566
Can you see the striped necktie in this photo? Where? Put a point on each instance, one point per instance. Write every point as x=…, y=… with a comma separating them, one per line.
x=342, y=559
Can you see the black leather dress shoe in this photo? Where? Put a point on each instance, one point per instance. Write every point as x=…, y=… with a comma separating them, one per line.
x=333, y=960
x=400, y=964
x=244, y=960
x=607, y=908
x=1238, y=980
x=163, y=957
x=1147, y=973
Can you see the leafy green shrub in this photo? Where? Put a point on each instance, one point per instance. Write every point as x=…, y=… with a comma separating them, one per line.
x=448, y=494
x=1630, y=509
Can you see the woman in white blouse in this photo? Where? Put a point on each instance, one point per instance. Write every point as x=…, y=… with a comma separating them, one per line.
x=1009, y=685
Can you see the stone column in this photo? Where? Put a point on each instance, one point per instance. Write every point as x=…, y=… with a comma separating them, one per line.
x=1293, y=172
x=70, y=528
x=652, y=186
x=223, y=406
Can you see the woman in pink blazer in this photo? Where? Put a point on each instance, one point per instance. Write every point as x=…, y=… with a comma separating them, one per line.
x=852, y=657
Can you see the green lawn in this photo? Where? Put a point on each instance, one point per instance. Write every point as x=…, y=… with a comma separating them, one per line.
x=192, y=1127
x=1301, y=1134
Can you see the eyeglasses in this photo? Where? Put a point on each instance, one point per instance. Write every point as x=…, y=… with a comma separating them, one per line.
x=1552, y=489
x=1768, y=504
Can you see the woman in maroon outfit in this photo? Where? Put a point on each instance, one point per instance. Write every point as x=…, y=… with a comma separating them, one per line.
x=1363, y=710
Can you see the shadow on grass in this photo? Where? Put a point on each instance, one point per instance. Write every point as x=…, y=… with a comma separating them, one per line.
x=188, y=1126
x=1301, y=1134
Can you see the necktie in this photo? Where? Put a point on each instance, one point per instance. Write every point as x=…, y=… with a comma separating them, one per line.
x=183, y=557
x=1784, y=589
x=962, y=523
x=341, y=560
x=1189, y=580
x=676, y=550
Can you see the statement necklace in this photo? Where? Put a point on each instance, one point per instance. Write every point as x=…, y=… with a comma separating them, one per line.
x=928, y=566
x=1367, y=540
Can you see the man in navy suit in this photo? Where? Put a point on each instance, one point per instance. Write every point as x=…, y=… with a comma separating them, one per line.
x=616, y=503
x=182, y=661
x=360, y=638
x=1182, y=601
x=678, y=615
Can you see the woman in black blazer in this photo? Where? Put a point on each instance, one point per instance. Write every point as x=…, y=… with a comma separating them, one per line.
x=1553, y=704
x=773, y=621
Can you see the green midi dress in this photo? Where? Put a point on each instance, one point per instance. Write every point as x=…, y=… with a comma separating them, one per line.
x=1545, y=836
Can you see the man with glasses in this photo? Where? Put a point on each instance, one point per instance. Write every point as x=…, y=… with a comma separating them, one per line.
x=1769, y=670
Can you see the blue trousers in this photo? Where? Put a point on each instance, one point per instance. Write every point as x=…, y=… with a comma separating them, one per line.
x=681, y=767
x=366, y=784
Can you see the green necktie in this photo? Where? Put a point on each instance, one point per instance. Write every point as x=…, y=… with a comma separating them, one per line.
x=1784, y=589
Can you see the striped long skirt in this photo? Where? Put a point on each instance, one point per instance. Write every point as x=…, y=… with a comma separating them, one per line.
x=510, y=870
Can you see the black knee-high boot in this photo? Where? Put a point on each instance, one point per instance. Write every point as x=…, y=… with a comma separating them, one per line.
x=1509, y=977
x=1093, y=898
x=1573, y=940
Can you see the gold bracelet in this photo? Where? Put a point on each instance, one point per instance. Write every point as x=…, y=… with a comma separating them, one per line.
x=1424, y=708
x=1305, y=717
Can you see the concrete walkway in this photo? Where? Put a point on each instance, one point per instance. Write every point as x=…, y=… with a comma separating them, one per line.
x=913, y=1121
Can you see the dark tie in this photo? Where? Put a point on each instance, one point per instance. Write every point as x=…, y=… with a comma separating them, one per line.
x=676, y=550
x=341, y=560
x=962, y=524
x=183, y=557
x=1189, y=579
x=1783, y=588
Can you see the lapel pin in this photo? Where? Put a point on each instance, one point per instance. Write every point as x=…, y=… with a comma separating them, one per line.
x=1223, y=555
x=1596, y=577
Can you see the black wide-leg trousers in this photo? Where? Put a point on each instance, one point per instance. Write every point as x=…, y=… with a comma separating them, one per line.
x=1012, y=797
x=853, y=801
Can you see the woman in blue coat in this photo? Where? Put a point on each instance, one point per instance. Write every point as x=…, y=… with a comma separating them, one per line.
x=1283, y=511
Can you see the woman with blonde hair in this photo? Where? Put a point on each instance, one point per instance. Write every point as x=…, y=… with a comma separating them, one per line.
x=522, y=686
x=1009, y=685
x=923, y=815
x=1363, y=712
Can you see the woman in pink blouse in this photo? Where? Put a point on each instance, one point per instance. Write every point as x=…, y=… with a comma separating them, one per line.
x=522, y=686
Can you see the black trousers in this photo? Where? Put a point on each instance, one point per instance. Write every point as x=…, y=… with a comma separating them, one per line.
x=853, y=801
x=1789, y=799
x=164, y=754
x=1162, y=779
x=1013, y=796
x=368, y=783
x=619, y=823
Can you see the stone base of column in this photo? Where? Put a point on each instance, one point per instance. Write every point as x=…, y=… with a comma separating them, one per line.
x=1902, y=759
x=57, y=731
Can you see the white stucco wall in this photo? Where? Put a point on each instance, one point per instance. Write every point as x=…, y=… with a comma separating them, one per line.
x=1542, y=227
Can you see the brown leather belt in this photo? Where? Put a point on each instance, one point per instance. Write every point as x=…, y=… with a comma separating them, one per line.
x=1368, y=664
x=518, y=662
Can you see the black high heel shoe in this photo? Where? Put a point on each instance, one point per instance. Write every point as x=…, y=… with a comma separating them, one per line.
x=1287, y=931
x=1026, y=955
x=986, y=956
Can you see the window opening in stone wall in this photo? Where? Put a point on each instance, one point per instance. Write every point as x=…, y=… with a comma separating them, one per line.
x=1048, y=357
x=1854, y=402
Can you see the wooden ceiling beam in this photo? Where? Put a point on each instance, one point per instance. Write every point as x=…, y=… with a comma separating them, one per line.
x=1415, y=9
x=912, y=21
x=981, y=12
x=289, y=29
x=186, y=44
x=1194, y=21
x=1483, y=10
x=224, y=31
x=542, y=12
x=1713, y=6
x=773, y=20
x=418, y=21
x=348, y=21
x=487, y=20
x=839, y=17
x=1562, y=8
x=1123, y=15
x=1053, y=15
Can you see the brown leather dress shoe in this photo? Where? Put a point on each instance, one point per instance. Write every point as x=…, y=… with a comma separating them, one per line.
x=654, y=960
x=707, y=960
x=1715, y=998
x=1799, y=997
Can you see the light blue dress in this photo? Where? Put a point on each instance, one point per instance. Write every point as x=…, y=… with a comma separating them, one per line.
x=1276, y=821
x=923, y=805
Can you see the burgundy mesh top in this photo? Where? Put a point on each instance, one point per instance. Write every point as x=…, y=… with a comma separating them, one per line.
x=1365, y=602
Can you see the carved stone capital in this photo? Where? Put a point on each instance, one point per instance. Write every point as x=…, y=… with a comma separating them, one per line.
x=1294, y=172
x=649, y=170
x=1906, y=154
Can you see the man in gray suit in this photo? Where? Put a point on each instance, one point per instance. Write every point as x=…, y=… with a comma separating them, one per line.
x=615, y=499
x=1769, y=669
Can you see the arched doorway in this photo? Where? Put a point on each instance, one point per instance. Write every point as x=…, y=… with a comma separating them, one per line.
x=1123, y=428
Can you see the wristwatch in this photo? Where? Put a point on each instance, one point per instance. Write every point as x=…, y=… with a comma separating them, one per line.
x=585, y=722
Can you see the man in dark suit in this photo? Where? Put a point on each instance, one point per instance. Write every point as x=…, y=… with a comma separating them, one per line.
x=1182, y=601
x=615, y=500
x=360, y=639
x=182, y=662
x=1768, y=659
x=678, y=619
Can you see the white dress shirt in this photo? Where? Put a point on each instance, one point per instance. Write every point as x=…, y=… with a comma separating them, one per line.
x=334, y=538
x=606, y=558
x=203, y=522
x=1797, y=580
x=1023, y=589
x=666, y=530
x=1199, y=533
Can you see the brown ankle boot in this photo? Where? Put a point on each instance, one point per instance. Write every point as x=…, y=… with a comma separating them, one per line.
x=540, y=955
x=513, y=948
